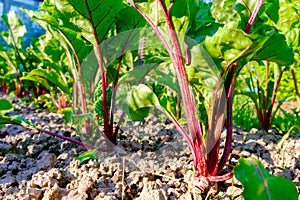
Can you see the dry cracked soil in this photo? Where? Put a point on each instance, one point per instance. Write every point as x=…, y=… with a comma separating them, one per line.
x=154, y=162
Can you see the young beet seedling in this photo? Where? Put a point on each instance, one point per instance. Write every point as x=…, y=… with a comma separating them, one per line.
x=176, y=16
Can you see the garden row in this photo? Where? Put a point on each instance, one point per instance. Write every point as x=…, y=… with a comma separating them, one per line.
x=204, y=66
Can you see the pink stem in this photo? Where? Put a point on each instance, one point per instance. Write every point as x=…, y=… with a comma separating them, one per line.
x=103, y=74
x=228, y=142
x=155, y=27
x=253, y=16
x=64, y=138
x=188, y=100
x=220, y=178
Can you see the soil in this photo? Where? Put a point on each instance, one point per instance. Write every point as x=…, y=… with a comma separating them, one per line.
x=153, y=162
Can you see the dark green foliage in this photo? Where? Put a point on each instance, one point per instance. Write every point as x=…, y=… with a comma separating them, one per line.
x=5, y=105
x=138, y=102
x=99, y=99
x=244, y=114
x=259, y=184
x=284, y=120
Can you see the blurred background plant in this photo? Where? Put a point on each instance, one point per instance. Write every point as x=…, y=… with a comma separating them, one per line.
x=37, y=73
x=267, y=94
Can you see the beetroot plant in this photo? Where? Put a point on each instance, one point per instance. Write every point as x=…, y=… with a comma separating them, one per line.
x=231, y=47
x=33, y=73
x=86, y=31
x=262, y=80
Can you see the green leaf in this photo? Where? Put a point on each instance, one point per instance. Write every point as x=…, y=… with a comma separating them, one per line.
x=289, y=15
x=16, y=29
x=229, y=44
x=99, y=99
x=223, y=10
x=67, y=114
x=43, y=75
x=275, y=49
x=15, y=120
x=91, y=154
x=62, y=21
x=293, y=38
x=154, y=70
x=135, y=76
x=181, y=13
x=166, y=79
x=148, y=7
x=7, y=120
x=100, y=14
x=271, y=9
x=202, y=23
x=5, y=105
x=129, y=19
x=259, y=184
x=180, y=17
x=139, y=100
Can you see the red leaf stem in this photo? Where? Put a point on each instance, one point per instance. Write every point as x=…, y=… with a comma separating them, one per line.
x=253, y=16
x=102, y=72
x=188, y=101
x=63, y=137
x=229, y=86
